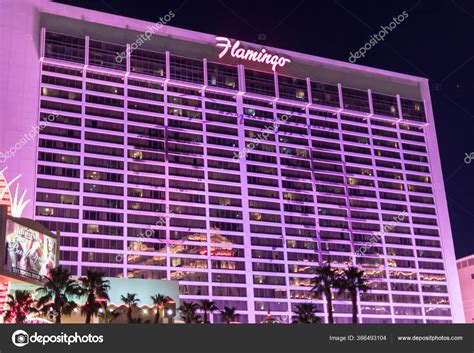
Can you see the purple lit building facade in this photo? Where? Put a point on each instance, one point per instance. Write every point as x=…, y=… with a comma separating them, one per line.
x=466, y=280
x=334, y=152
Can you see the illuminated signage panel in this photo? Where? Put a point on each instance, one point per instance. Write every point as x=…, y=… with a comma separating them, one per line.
x=29, y=253
x=261, y=56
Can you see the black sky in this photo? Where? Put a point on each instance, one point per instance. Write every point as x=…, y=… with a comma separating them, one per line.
x=436, y=41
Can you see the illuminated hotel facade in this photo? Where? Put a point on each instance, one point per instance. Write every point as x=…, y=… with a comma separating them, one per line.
x=252, y=165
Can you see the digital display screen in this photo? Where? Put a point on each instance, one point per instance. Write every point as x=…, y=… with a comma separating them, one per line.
x=29, y=253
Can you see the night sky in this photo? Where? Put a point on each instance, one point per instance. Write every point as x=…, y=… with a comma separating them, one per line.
x=436, y=41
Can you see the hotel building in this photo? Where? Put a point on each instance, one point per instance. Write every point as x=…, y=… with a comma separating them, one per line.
x=466, y=279
x=231, y=167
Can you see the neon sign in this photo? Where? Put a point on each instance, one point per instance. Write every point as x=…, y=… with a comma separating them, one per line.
x=248, y=54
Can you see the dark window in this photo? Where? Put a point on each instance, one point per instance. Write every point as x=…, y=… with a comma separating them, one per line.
x=259, y=82
x=62, y=47
x=105, y=55
x=148, y=62
x=184, y=69
x=325, y=94
x=222, y=76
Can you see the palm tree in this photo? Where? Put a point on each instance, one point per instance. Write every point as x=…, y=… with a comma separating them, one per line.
x=108, y=315
x=131, y=301
x=57, y=293
x=306, y=314
x=208, y=306
x=20, y=305
x=159, y=302
x=188, y=312
x=353, y=281
x=95, y=287
x=325, y=278
x=229, y=315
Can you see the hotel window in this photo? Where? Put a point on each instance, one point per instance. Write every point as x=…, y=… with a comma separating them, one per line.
x=413, y=110
x=184, y=101
x=103, y=216
x=189, y=276
x=62, y=70
x=63, y=47
x=146, y=274
x=269, y=242
x=56, y=131
x=67, y=256
x=58, y=171
x=59, y=81
x=61, y=106
x=99, y=257
x=102, y=243
x=411, y=137
x=105, y=77
x=302, y=257
x=221, y=107
x=103, y=189
x=437, y=311
x=148, y=63
x=61, y=119
x=270, y=280
x=104, y=89
x=58, y=158
x=57, y=212
x=272, y=306
x=104, y=125
x=259, y=82
x=184, y=69
x=56, y=198
x=267, y=267
x=223, y=76
x=105, y=55
x=145, y=107
x=229, y=291
x=292, y=88
x=325, y=94
x=145, y=84
x=385, y=105
x=145, y=95
x=61, y=226
x=57, y=185
x=109, y=272
x=436, y=300
x=270, y=293
x=97, y=202
x=105, y=113
x=354, y=99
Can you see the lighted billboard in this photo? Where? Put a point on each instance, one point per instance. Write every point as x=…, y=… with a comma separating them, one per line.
x=29, y=253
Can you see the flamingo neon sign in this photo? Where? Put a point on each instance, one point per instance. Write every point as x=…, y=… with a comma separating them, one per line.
x=248, y=54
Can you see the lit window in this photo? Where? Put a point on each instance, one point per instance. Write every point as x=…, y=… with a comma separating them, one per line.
x=136, y=154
